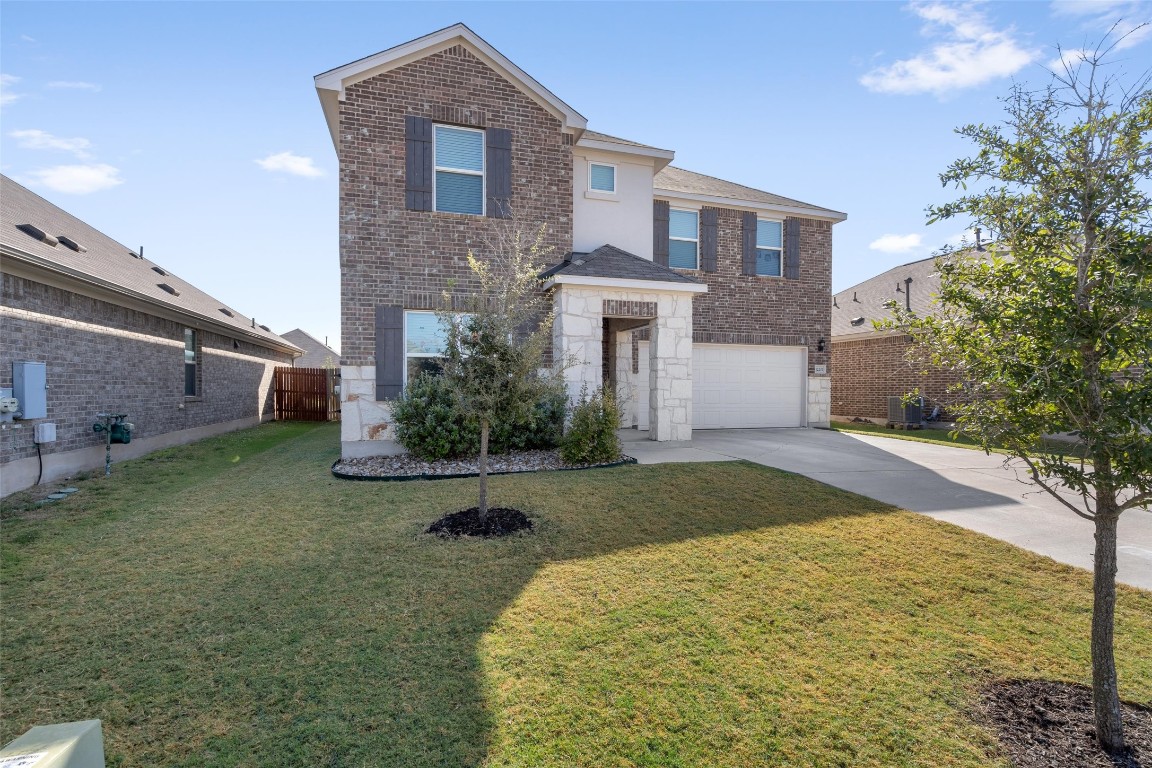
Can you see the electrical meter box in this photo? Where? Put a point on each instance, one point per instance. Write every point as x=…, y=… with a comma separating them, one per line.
x=30, y=387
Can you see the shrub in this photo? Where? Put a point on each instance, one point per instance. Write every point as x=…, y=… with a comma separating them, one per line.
x=591, y=437
x=430, y=424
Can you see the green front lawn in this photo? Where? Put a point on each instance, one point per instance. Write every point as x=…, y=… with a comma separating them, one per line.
x=944, y=437
x=231, y=603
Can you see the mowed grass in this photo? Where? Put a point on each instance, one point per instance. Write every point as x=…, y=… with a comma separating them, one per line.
x=944, y=437
x=231, y=603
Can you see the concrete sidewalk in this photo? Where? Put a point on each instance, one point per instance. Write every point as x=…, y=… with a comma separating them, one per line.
x=957, y=485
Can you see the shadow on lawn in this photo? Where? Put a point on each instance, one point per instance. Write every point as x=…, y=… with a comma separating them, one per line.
x=271, y=614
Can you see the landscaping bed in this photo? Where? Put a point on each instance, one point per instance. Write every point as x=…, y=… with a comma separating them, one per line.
x=407, y=467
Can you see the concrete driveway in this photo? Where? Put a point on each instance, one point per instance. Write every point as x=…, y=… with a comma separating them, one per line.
x=957, y=485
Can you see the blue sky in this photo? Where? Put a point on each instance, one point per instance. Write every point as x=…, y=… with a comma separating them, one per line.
x=193, y=129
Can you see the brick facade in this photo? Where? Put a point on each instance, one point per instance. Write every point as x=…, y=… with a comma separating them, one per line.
x=390, y=255
x=105, y=357
x=865, y=372
x=744, y=309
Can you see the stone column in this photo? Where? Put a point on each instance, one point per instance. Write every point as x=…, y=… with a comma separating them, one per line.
x=577, y=336
x=670, y=370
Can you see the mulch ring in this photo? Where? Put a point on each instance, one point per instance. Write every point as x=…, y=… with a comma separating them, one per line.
x=1047, y=724
x=500, y=521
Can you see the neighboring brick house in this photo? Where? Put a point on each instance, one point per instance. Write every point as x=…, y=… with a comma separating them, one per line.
x=317, y=354
x=869, y=366
x=704, y=302
x=116, y=333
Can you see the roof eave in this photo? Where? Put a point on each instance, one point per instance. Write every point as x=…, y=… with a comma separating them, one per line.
x=334, y=81
x=734, y=202
x=38, y=263
x=661, y=158
x=626, y=283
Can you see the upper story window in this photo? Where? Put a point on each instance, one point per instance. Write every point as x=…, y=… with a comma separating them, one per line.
x=459, y=156
x=769, y=247
x=602, y=177
x=683, y=239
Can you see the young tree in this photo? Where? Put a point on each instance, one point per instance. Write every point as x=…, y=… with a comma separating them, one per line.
x=1052, y=333
x=498, y=335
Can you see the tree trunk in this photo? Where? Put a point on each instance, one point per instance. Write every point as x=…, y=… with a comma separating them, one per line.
x=484, y=483
x=1105, y=693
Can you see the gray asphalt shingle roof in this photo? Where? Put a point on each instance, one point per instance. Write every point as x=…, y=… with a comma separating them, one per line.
x=866, y=300
x=675, y=179
x=108, y=262
x=597, y=136
x=610, y=262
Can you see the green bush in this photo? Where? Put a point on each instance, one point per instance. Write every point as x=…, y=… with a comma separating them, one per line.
x=591, y=436
x=430, y=425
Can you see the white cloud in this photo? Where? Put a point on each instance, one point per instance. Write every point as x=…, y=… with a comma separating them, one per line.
x=28, y=38
x=1119, y=20
x=74, y=85
x=896, y=243
x=287, y=162
x=971, y=54
x=7, y=96
x=37, y=139
x=77, y=179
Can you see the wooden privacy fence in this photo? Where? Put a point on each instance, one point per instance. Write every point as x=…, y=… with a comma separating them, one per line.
x=307, y=394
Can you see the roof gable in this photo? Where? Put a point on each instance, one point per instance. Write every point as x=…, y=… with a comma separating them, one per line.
x=330, y=85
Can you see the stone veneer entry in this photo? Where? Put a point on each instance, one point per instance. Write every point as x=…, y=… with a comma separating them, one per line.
x=578, y=337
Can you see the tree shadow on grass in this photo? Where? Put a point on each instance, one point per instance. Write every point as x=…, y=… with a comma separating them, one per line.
x=274, y=615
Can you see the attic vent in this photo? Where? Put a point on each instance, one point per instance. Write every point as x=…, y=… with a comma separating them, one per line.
x=857, y=321
x=227, y=312
x=37, y=234
x=68, y=242
x=266, y=328
x=168, y=288
x=135, y=255
x=158, y=270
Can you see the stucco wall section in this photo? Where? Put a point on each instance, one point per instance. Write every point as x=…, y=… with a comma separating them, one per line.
x=624, y=219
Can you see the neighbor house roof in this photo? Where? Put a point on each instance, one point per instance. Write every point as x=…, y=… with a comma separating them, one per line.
x=611, y=263
x=330, y=85
x=85, y=255
x=679, y=182
x=854, y=309
x=317, y=354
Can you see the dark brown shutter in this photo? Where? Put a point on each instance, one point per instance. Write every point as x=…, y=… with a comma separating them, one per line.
x=709, y=238
x=748, y=243
x=660, y=232
x=792, y=248
x=498, y=180
x=389, y=352
x=418, y=163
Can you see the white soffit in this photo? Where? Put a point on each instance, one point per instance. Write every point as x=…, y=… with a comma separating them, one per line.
x=330, y=85
x=626, y=284
x=661, y=157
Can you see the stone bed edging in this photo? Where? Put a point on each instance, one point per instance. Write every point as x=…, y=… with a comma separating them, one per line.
x=456, y=476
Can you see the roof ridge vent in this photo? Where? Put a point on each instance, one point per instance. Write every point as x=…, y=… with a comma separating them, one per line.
x=168, y=288
x=68, y=242
x=37, y=234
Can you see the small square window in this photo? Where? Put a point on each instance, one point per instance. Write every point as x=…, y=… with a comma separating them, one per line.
x=769, y=248
x=602, y=177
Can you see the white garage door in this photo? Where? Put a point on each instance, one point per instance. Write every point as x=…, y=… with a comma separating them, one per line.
x=737, y=386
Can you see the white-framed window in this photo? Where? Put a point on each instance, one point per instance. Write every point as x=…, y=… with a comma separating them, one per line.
x=459, y=177
x=769, y=247
x=425, y=339
x=602, y=177
x=683, y=239
x=191, y=369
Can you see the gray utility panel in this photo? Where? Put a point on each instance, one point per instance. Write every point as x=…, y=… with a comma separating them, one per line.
x=30, y=387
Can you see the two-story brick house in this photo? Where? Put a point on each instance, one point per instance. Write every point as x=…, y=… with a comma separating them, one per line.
x=704, y=302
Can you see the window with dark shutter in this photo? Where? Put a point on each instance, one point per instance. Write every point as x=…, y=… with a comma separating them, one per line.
x=499, y=180
x=709, y=238
x=418, y=163
x=792, y=248
x=660, y=232
x=389, y=352
x=748, y=243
